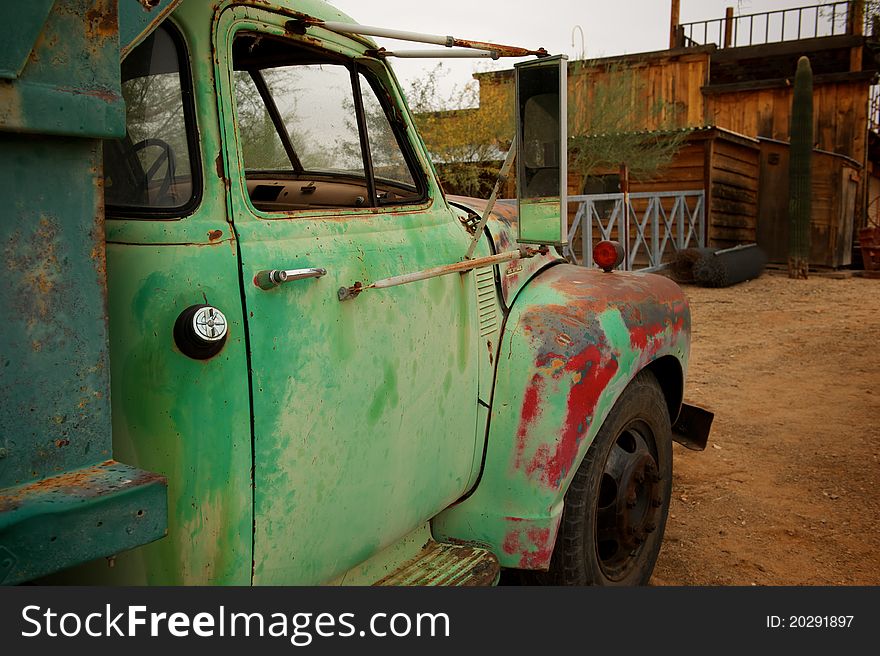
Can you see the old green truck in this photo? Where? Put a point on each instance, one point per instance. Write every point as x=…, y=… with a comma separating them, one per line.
x=316, y=366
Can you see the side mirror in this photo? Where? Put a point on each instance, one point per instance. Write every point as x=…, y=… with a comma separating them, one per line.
x=542, y=154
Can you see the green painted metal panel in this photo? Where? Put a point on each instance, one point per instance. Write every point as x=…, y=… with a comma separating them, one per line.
x=55, y=414
x=58, y=505
x=364, y=411
x=70, y=84
x=66, y=519
x=186, y=419
x=539, y=221
x=137, y=18
x=17, y=37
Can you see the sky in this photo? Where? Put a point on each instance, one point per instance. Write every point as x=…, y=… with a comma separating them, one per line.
x=610, y=27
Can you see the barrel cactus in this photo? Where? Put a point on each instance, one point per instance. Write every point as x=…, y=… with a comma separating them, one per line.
x=800, y=171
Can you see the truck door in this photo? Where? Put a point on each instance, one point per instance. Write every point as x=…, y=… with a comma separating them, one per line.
x=364, y=411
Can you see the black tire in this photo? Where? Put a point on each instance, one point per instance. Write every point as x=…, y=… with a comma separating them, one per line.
x=615, y=509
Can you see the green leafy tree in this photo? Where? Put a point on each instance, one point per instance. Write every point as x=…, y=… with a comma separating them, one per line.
x=614, y=120
x=465, y=141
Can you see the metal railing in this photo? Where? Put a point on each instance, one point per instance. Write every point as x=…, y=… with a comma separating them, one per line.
x=829, y=19
x=653, y=225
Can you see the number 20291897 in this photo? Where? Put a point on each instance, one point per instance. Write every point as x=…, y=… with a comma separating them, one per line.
x=810, y=622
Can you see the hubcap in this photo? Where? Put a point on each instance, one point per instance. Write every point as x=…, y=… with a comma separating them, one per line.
x=629, y=503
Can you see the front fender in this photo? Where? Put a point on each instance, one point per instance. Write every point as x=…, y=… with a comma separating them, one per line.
x=572, y=342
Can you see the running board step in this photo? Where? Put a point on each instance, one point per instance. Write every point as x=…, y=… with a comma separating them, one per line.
x=440, y=563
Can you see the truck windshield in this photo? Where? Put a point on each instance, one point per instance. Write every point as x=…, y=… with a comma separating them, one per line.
x=315, y=119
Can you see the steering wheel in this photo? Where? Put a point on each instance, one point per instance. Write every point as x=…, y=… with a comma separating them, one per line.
x=165, y=157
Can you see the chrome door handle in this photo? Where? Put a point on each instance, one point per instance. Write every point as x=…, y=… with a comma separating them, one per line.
x=273, y=277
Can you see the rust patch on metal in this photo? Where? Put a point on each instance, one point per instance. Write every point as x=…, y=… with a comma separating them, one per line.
x=446, y=564
x=101, y=21
x=35, y=264
x=98, y=254
x=214, y=235
x=102, y=94
x=498, y=49
x=86, y=483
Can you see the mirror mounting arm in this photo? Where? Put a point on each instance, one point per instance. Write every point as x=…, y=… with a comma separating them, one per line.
x=499, y=182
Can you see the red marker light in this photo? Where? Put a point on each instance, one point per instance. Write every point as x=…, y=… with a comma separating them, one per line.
x=607, y=255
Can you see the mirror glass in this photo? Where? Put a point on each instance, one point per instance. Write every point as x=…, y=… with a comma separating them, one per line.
x=542, y=155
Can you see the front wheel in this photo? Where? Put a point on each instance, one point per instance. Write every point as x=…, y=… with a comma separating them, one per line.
x=615, y=509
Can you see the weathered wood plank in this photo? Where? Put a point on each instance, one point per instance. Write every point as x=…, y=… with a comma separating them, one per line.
x=735, y=179
x=739, y=194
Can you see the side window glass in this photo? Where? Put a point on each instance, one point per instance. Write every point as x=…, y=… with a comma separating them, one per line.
x=262, y=147
x=152, y=170
x=316, y=107
x=389, y=162
x=304, y=120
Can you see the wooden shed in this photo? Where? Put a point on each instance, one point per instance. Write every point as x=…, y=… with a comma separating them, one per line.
x=723, y=164
x=835, y=187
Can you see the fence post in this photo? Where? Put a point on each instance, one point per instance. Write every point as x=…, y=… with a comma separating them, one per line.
x=855, y=24
x=728, y=27
x=674, y=27
x=701, y=218
x=855, y=19
x=587, y=235
x=624, y=188
x=682, y=222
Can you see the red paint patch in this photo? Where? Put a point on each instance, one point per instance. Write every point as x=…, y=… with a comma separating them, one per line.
x=531, y=408
x=539, y=556
x=596, y=372
x=533, y=545
x=640, y=335
x=649, y=339
x=511, y=542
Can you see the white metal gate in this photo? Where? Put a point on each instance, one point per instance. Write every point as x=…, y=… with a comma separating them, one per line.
x=655, y=224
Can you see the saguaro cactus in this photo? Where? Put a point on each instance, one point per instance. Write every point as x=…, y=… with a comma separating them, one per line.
x=800, y=171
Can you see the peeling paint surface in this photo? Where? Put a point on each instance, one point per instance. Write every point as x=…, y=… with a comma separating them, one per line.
x=573, y=340
x=83, y=484
x=187, y=420
x=529, y=543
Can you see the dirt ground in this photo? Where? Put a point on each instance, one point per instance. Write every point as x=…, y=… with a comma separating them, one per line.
x=786, y=492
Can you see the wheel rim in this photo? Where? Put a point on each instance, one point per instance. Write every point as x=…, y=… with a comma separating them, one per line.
x=630, y=501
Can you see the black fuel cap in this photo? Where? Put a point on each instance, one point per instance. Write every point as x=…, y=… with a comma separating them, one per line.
x=200, y=331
